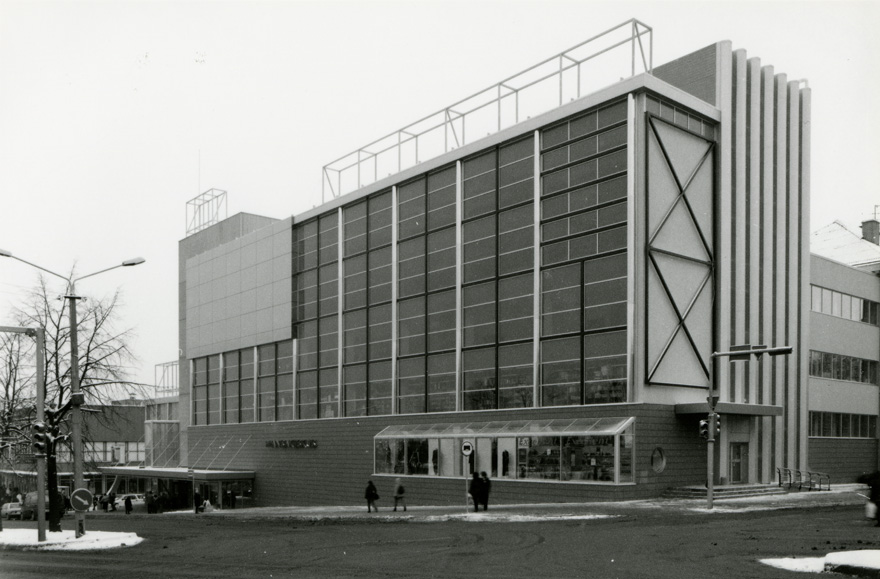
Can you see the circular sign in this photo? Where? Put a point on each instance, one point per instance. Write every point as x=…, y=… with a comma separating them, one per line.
x=81, y=500
x=467, y=447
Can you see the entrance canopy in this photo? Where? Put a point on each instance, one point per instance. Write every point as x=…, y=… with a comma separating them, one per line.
x=556, y=427
x=179, y=473
x=730, y=408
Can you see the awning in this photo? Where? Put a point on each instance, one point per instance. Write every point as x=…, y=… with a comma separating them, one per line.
x=730, y=408
x=178, y=473
x=556, y=427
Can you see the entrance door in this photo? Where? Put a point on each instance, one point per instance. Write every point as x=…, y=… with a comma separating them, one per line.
x=739, y=462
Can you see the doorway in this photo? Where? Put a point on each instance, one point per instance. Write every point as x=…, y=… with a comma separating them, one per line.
x=739, y=462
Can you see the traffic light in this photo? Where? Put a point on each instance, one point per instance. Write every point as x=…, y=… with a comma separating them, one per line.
x=704, y=429
x=40, y=437
x=717, y=426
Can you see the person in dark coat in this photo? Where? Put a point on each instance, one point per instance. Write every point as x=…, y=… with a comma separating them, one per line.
x=476, y=491
x=197, y=502
x=487, y=486
x=372, y=495
x=128, y=506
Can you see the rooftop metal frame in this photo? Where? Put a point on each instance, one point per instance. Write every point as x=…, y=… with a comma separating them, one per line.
x=165, y=378
x=205, y=210
x=499, y=106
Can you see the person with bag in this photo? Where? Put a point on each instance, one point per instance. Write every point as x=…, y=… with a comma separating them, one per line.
x=372, y=495
x=398, y=494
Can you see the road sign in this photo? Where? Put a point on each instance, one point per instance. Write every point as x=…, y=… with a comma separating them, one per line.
x=81, y=500
x=467, y=448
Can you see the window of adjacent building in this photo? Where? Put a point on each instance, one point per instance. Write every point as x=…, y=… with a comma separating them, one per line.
x=842, y=425
x=841, y=305
x=842, y=367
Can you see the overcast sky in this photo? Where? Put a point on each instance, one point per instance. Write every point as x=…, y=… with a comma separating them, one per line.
x=114, y=114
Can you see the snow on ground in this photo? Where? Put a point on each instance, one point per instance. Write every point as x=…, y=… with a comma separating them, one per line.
x=66, y=540
x=867, y=559
x=508, y=518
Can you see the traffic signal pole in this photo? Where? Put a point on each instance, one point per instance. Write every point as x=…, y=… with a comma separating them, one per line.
x=39, y=335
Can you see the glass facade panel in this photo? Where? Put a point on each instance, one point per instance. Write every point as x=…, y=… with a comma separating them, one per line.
x=479, y=314
x=515, y=376
x=478, y=379
x=411, y=385
x=561, y=372
x=441, y=383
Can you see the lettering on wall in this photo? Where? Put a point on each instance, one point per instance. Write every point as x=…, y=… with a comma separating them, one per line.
x=292, y=443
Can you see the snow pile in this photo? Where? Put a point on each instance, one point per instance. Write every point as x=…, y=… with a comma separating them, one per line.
x=66, y=540
x=867, y=559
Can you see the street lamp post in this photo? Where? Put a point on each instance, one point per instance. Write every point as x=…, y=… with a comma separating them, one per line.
x=76, y=395
x=736, y=354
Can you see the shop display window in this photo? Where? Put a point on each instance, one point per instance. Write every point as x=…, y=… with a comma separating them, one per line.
x=599, y=451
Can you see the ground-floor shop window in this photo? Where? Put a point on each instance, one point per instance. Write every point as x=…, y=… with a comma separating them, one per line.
x=579, y=450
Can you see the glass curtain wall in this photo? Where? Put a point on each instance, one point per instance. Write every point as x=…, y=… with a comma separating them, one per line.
x=584, y=259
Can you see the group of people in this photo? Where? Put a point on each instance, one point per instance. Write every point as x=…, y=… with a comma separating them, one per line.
x=478, y=490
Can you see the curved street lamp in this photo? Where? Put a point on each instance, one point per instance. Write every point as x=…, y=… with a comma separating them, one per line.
x=76, y=395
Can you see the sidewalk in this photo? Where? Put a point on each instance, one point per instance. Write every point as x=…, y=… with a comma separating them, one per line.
x=840, y=495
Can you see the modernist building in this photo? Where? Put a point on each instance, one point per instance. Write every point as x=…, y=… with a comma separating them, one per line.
x=552, y=293
x=844, y=349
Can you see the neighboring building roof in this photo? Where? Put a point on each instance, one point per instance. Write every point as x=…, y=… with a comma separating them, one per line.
x=837, y=242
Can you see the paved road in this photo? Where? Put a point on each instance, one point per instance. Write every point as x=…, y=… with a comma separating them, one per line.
x=641, y=540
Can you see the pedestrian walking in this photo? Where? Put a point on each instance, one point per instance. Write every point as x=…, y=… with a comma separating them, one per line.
x=873, y=481
x=372, y=495
x=112, y=501
x=128, y=506
x=197, y=502
x=487, y=486
x=476, y=491
x=398, y=494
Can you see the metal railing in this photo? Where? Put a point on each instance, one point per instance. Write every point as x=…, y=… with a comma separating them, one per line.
x=535, y=90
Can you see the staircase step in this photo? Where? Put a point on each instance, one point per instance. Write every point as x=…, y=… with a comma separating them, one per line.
x=695, y=492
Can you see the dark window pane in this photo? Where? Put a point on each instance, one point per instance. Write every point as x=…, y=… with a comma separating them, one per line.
x=411, y=385
x=561, y=372
x=441, y=259
x=380, y=332
x=411, y=209
x=561, y=301
x=441, y=321
x=355, y=221
x=380, y=220
x=411, y=269
x=515, y=376
x=441, y=198
x=515, y=308
x=379, y=388
x=478, y=379
x=478, y=314
x=411, y=326
x=355, y=282
x=441, y=383
x=328, y=238
x=379, y=275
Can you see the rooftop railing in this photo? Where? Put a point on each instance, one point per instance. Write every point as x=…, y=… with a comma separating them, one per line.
x=544, y=86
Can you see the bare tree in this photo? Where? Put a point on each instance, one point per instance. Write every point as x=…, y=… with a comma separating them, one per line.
x=104, y=358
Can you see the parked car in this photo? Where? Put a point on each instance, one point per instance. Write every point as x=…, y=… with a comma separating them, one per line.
x=29, y=506
x=11, y=511
x=137, y=501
